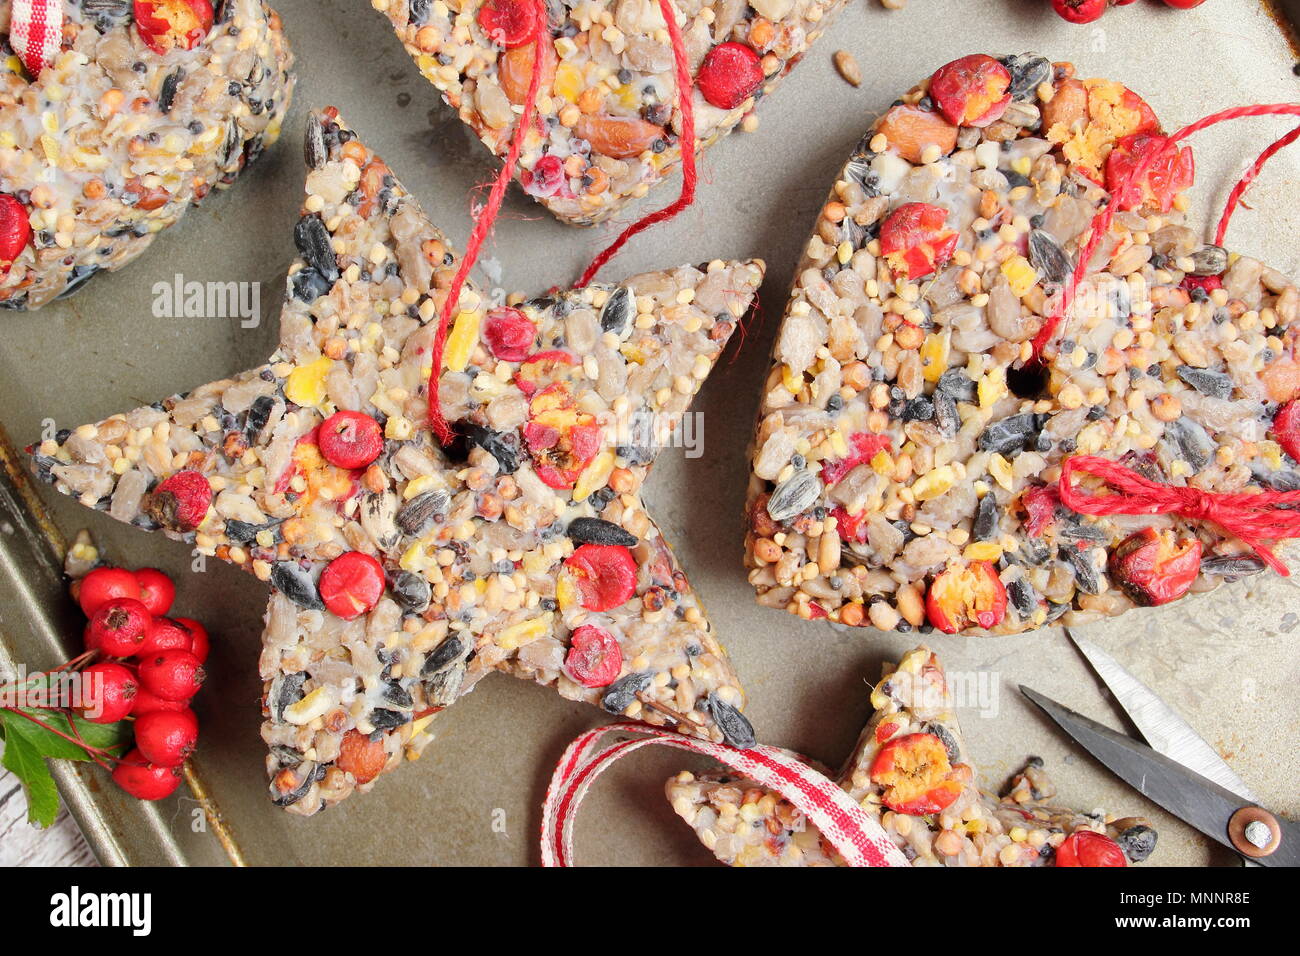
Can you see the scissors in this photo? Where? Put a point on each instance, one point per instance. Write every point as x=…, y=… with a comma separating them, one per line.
x=1178, y=770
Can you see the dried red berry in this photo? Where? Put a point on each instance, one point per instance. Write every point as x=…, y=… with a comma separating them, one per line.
x=172, y=675
x=1089, y=848
x=167, y=738
x=1286, y=428
x=1183, y=4
x=604, y=574
x=172, y=24
x=972, y=90
x=730, y=74
x=1040, y=504
x=199, y=642
x=165, y=635
x=510, y=335
x=352, y=584
x=916, y=775
x=546, y=178
x=511, y=23
x=103, y=585
x=143, y=780
x=1079, y=11
x=119, y=627
x=181, y=502
x=1204, y=283
x=15, y=230
x=542, y=368
x=108, y=692
x=1172, y=172
x=1153, y=568
x=865, y=446
x=350, y=439
x=594, y=658
x=561, y=438
x=156, y=590
x=962, y=597
x=914, y=240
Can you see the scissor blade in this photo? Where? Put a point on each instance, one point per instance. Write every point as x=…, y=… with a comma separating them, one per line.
x=1184, y=793
x=1160, y=724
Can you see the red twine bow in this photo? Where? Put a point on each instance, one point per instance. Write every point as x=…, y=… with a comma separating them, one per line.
x=483, y=225
x=1251, y=516
x=36, y=32
x=1101, y=222
x=850, y=829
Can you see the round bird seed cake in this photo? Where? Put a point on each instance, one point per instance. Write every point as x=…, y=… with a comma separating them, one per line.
x=144, y=110
x=907, y=465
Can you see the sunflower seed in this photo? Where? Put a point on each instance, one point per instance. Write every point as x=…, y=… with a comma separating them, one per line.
x=735, y=727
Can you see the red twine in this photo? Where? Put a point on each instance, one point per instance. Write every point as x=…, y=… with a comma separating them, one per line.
x=36, y=32
x=483, y=225
x=1250, y=516
x=850, y=829
x=1101, y=223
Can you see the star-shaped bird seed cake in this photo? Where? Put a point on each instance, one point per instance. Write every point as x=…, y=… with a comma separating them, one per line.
x=402, y=572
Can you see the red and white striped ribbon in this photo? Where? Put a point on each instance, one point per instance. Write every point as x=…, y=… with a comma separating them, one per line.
x=36, y=32
x=850, y=829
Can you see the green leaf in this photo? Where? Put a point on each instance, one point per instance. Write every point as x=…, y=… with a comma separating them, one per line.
x=50, y=744
x=24, y=762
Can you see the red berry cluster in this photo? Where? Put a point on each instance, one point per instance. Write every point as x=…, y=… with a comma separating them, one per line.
x=1086, y=11
x=156, y=668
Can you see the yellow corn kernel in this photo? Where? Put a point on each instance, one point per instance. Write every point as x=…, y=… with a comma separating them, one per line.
x=1271, y=452
x=595, y=475
x=934, y=355
x=306, y=384
x=418, y=486
x=982, y=551
x=883, y=463
x=415, y=558
x=568, y=82
x=461, y=341
x=838, y=444
x=566, y=593
x=1000, y=469
x=934, y=483
x=992, y=386
x=792, y=382
x=1020, y=274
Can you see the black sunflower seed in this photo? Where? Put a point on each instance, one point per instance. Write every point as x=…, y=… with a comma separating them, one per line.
x=313, y=143
x=598, y=531
x=986, y=519
x=620, y=694
x=947, y=738
x=397, y=695
x=296, y=583
x=1086, y=577
x=735, y=727
x=313, y=242
x=1047, y=256
x=1012, y=434
x=1207, y=381
x=289, y=692
x=385, y=719
x=619, y=309
x=1233, y=566
x=1023, y=597
x=411, y=591
x=449, y=650
x=1138, y=842
x=422, y=511
x=167, y=95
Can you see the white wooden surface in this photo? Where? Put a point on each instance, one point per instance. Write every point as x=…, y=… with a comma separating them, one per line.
x=22, y=844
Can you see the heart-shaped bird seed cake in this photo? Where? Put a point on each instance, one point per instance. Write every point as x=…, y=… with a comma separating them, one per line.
x=911, y=769
x=610, y=123
x=403, y=572
x=915, y=464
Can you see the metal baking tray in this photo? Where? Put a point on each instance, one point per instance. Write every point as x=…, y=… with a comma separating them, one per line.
x=1229, y=661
